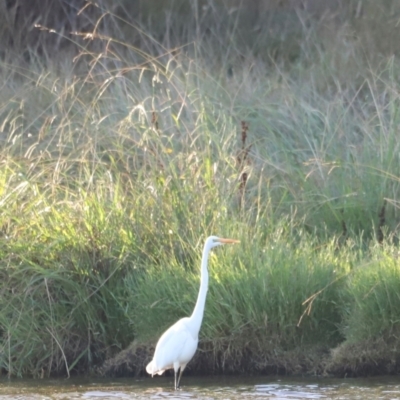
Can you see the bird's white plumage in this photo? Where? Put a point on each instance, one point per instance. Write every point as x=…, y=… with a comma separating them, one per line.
x=175, y=348
x=177, y=345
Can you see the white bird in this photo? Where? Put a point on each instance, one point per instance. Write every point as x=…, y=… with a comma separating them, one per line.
x=177, y=345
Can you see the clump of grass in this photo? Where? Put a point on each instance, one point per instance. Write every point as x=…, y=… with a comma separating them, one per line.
x=61, y=264
x=373, y=297
x=370, y=316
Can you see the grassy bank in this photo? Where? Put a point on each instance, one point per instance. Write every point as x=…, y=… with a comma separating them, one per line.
x=116, y=167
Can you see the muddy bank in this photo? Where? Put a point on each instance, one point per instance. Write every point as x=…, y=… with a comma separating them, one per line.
x=371, y=357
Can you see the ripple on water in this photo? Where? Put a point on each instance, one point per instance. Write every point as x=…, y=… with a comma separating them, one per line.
x=24, y=397
x=282, y=392
x=96, y=394
x=203, y=389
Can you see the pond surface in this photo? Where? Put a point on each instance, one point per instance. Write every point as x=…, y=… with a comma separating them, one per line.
x=218, y=388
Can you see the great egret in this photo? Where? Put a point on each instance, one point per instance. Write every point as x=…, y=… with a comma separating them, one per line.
x=177, y=345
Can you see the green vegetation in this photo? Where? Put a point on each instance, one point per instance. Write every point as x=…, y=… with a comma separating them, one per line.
x=115, y=167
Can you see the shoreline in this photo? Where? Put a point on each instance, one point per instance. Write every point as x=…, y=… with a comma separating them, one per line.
x=374, y=358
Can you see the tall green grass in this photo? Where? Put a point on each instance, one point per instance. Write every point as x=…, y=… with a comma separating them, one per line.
x=113, y=174
x=370, y=317
x=374, y=297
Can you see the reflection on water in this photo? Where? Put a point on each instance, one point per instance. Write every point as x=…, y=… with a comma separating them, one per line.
x=219, y=388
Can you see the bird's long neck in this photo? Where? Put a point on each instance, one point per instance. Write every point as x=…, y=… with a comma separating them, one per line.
x=197, y=315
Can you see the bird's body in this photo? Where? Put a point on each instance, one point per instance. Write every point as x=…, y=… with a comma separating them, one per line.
x=175, y=348
x=178, y=344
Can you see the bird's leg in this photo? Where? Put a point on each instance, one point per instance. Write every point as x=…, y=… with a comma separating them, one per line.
x=175, y=374
x=179, y=378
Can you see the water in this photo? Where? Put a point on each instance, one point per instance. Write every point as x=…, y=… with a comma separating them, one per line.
x=202, y=388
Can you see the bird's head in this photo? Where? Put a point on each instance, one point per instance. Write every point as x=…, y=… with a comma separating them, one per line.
x=214, y=241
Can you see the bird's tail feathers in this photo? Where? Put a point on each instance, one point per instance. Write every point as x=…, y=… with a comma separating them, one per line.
x=149, y=368
x=152, y=369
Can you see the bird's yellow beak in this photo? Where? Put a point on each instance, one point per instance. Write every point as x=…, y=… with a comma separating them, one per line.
x=226, y=241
